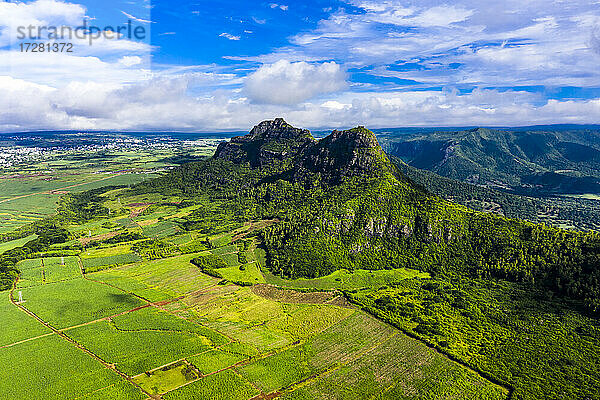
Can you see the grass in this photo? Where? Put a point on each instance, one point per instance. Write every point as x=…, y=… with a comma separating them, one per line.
x=129, y=349
x=278, y=371
x=220, y=240
x=359, y=358
x=106, y=251
x=399, y=368
x=304, y=321
x=100, y=263
x=345, y=280
x=48, y=270
x=215, y=360
x=250, y=273
x=13, y=244
x=534, y=343
x=160, y=230
x=231, y=259
x=17, y=325
x=226, y=385
x=167, y=378
x=242, y=315
x=119, y=391
x=227, y=249
x=56, y=271
x=50, y=368
x=29, y=264
x=151, y=318
x=20, y=211
x=76, y=301
x=173, y=276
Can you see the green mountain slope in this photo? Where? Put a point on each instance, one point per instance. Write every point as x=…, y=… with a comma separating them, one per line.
x=515, y=301
x=572, y=212
x=534, y=163
x=343, y=204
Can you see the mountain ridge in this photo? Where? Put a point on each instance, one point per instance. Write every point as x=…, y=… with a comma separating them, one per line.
x=342, y=204
x=522, y=162
x=275, y=143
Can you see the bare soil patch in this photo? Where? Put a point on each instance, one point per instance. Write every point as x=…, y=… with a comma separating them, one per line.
x=292, y=296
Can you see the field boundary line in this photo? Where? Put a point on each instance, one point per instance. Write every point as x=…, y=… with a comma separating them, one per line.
x=95, y=391
x=104, y=318
x=26, y=340
x=76, y=344
x=59, y=189
x=450, y=357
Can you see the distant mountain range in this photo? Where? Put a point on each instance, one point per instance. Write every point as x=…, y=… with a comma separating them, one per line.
x=534, y=162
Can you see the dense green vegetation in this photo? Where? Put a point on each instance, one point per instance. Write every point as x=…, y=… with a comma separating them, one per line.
x=514, y=334
x=182, y=285
x=526, y=162
x=76, y=301
x=18, y=325
x=48, y=234
x=573, y=212
x=377, y=219
x=50, y=368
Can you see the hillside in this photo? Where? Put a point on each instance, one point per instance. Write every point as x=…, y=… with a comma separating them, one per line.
x=524, y=162
x=568, y=212
x=343, y=204
x=145, y=278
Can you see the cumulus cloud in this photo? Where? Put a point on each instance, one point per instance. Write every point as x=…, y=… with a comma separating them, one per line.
x=40, y=11
x=403, y=48
x=130, y=61
x=291, y=83
x=36, y=13
x=166, y=103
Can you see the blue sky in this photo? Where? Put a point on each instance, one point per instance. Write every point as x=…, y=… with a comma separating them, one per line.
x=227, y=65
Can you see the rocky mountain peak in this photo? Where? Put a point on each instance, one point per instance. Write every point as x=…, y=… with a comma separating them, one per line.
x=352, y=139
x=340, y=155
x=344, y=154
x=278, y=129
x=267, y=142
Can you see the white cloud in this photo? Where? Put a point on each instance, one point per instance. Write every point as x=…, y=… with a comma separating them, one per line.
x=291, y=83
x=166, y=103
x=440, y=16
x=512, y=43
x=130, y=61
x=398, y=42
x=145, y=21
x=37, y=13
x=229, y=36
x=280, y=6
x=40, y=11
x=595, y=40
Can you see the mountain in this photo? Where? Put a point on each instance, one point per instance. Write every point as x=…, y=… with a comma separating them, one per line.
x=267, y=142
x=341, y=203
x=340, y=155
x=523, y=162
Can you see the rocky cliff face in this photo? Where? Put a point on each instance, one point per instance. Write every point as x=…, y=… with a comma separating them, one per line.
x=340, y=155
x=343, y=154
x=268, y=142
